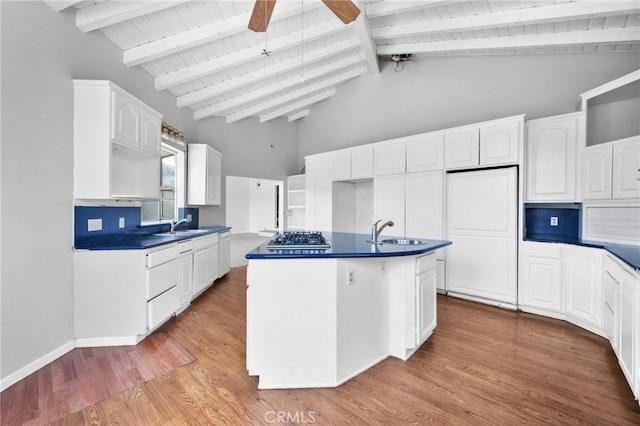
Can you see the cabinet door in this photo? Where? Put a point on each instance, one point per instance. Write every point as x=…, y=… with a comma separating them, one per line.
x=499, y=144
x=185, y=278
x=424, y=205
x=225, y=253
x=425, y=305
x=203, y=268
x=341, y=165
x=611, y=312
x=626, y=169
x=389, y=203
x=596, y=173
x=389, y=158
x=362, y=163
x=319, y=194
x=214, y=178
x=125, y=120
x=541, y=285
x=551, y=158
x=583, y=284
x=150, y=132
x=425, y=153
x=462, y=149
x=627, y=325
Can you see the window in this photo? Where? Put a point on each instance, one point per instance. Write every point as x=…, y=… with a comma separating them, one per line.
x=166, y=209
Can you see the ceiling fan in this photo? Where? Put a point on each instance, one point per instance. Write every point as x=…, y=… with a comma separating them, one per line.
x=262, y=10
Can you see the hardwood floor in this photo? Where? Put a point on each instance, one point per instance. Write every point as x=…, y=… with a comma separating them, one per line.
x=483, y=365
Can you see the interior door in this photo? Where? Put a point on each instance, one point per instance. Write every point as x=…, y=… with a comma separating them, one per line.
x=482, y=224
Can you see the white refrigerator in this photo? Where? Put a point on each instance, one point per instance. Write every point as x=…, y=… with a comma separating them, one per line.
x=481, y=221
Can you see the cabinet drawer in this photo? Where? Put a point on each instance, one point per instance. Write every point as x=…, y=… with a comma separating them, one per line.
x=165, y=254
x=612, y=267
x=161, y=278
x=425, y=263
x=204, y=242
x=162, y=307
x=611, y=291
x=548, y=250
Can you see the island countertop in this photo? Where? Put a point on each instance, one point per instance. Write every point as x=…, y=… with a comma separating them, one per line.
x=348, y=245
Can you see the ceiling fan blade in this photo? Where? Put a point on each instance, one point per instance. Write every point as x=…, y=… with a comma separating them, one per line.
x=261, y=15
x=343, y=9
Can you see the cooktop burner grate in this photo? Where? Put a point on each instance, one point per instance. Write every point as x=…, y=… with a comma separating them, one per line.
x=299, y=240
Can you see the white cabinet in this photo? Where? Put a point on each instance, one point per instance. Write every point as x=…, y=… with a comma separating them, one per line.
x=596, y=172
x=628, y=326
x=582, y=283
x=389, y=158
x=205, y=262
x=424, y=205
x=319, y=192
x=224, y=264
x=540, y=285
x=488, y=144
x=185, y=279
x=389, y=203
x=356, y=163
x=626, y=168
x=611, y=307
x=204, y=170
x=611, y=170
x=425, y=152
x=552, y=146
x=426, y=311
x=116, y=144
x=296, y=202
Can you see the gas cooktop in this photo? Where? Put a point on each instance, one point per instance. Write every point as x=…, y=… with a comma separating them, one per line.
x=299, y=240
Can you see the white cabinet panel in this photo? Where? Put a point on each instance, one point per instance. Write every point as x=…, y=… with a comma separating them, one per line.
x=362, y=163
x=126, y=119
x=499, y=143
x=425, y=153
x=583, y=284
x=150, y=134
x=389, y=203
x=628, y=324
x=204, y=169
x=225, y=253
x=319, y=193
x=162, y=307
x=596, y=172
x=626, y=168
x=185, y=278
x=205, y=268
x=462, y=149
x=551, y=157
x=611, y=309
x=341, y=165
x=389, y=158
x=424, y=205
x=541, y=284
x=426, y=313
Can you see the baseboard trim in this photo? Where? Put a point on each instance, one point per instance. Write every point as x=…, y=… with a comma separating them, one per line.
x=92, y=342
x=34, y=366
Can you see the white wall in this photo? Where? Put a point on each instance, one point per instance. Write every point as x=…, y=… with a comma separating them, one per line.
x=238, y=203
x=442, y=92
x=250, y=204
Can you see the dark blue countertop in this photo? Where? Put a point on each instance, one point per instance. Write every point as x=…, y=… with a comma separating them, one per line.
x=629, y=254
x=345, y=245
x=140, y=240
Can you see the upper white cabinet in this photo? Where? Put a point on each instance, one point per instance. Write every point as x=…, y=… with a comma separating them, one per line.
x=389, y=158
x=488, y=144
x=354, y=163
x=552, y=146
x=425, y=152
x=116, y=144
x=612, y=170
x=204, y=169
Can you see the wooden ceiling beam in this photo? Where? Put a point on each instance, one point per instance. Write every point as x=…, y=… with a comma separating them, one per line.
x=60, y=5
x=606, y=36
x=298, y=115
x=292, y=96
x=248, y=54
x=363, y=30
x=108, y=13
x=237, y=102
x=270, y=71
x=297, y=105
x=206, y=34
x=388, y=7
x=528, y=16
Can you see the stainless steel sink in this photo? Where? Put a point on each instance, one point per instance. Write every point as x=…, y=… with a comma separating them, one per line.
x=181, y=232
x=403, y=242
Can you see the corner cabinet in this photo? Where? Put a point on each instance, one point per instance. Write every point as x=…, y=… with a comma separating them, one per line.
x=551, y=163
x=611, y=171
x=541, y=277
x=116, y=144
x=204, y=175
x=582, y=281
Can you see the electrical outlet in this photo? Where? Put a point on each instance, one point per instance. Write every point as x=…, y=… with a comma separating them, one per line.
x=121, y=222
x=351, y=277
x=383, y=269
x=94, y=225
x=554, y=221
x=189, y=218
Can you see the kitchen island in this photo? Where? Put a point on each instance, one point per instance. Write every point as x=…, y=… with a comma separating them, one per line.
x=317, y=317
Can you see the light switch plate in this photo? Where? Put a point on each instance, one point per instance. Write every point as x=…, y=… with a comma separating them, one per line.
x=189, y=217
x=554, y=221
x=94, y=225
x=121, y=222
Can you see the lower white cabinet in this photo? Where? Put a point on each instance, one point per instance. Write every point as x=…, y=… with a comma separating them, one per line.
x=541, y=276
x=185, y=279
x=205, y=262
x=582, y=284
x=426, y=311
x=224, y=263
x=628, y=312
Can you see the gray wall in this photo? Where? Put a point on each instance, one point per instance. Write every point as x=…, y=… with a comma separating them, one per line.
x=442, y=92
x=41, y=52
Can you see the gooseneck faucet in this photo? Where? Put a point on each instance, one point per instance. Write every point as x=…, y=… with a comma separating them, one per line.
x=175, y=223
x=375, y=231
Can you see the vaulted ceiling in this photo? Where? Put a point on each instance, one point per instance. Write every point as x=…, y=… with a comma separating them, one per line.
x=203, y=52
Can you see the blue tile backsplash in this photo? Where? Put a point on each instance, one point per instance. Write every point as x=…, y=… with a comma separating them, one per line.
x=538, y=218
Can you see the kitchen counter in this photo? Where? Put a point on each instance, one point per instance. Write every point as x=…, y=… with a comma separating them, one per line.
x=348, y=245
x=141, y=240
x=630, y=254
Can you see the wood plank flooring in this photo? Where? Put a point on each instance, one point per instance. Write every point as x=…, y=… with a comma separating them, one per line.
x=482, y=366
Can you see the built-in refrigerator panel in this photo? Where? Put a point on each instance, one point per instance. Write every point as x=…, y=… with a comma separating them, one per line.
x=482, y=223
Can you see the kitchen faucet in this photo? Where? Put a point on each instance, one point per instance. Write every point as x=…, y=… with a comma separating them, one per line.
x=175, y=223
x=375, y=231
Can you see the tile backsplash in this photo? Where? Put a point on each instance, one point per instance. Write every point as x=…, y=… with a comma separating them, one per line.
x=552, y=220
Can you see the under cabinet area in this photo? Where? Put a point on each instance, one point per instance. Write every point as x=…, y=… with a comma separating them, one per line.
x=116, y=143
